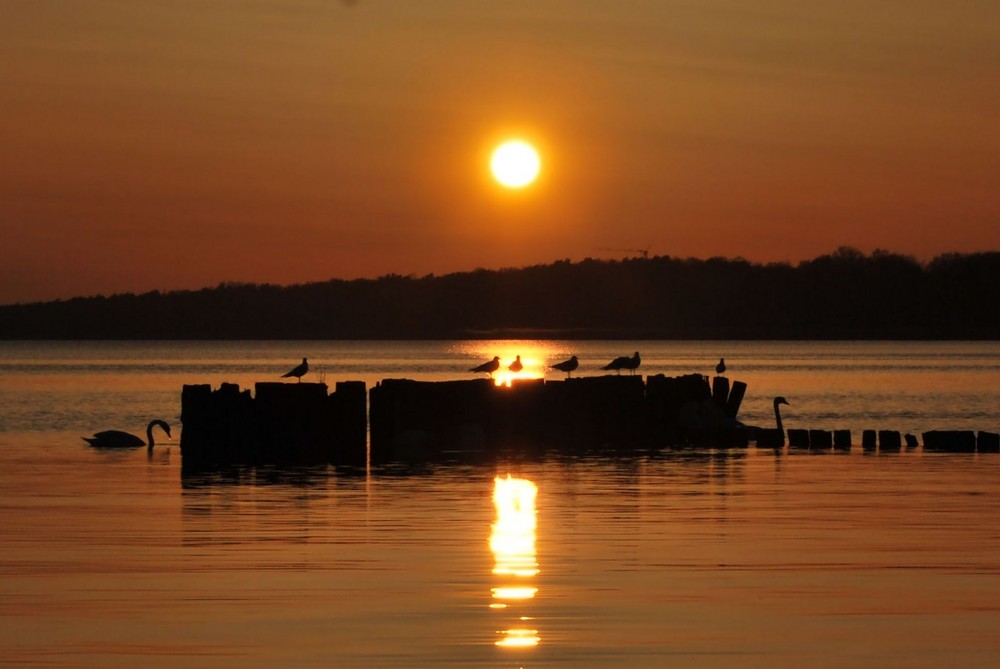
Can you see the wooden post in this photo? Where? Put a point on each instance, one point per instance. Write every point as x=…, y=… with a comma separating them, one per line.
x=798, y=438
x=889, y=440
x=735, y=399
x=820, y=439
x=720, y=391
x=868, y=440
x=842, y=440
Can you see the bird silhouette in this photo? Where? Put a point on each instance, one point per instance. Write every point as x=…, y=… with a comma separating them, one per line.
x=624, y=362
x=567, y=366
x=298, y=372
x=516, y=366
x=119, y=439
x=721, y=367
x=488, y=367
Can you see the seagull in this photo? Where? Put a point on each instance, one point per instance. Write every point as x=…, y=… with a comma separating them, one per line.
x=624, y=362
x=721, y=367
x=299, y=371
x=567, y=366
x=516, y=366
x=488, y=367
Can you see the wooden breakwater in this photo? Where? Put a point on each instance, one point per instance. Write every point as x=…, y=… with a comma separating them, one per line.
x=414, y=420
x=281, y=423
x=304, y=423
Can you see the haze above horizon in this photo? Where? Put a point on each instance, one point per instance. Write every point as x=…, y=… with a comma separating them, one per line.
x=165, y=146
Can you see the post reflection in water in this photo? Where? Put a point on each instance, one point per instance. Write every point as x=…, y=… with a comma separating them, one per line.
x=512, y=542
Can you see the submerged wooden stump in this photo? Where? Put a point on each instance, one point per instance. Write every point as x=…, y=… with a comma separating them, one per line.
x=988, y=442
x=950, y=441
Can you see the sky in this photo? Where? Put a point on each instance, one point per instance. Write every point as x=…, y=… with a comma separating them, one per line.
x=175, y=144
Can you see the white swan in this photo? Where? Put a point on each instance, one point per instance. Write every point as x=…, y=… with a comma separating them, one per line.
x=119, y=439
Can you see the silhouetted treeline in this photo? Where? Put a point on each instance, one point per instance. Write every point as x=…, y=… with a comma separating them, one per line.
x=844, y=295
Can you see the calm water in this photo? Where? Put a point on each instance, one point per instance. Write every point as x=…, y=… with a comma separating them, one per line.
x=709, y=559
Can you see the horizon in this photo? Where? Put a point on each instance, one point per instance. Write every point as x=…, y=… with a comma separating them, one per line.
x=151, y=147
x=412, y=275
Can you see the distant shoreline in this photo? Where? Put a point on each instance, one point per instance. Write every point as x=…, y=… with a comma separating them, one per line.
x=844, y=296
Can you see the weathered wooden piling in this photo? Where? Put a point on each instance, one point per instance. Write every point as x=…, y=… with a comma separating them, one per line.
x=950, y=441
x=842, y=440
x=736, y=395
x=720, y=391
x=283, y=423
x=911, y=440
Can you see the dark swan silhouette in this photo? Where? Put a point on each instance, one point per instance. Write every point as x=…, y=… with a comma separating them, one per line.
x=299, y=371
x=516, y=366
x=773, y=437
x=567, y=366
x=624, y=362
x=488, y=367
x=119, y=439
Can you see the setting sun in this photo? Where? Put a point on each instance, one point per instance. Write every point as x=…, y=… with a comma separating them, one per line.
x=515, y=164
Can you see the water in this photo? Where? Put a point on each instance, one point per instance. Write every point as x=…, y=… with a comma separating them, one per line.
x=705, y=559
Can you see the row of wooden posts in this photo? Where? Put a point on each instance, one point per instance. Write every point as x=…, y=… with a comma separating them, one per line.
x=401, y=419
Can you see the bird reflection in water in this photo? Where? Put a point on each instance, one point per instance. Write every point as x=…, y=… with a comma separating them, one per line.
x=512, y=542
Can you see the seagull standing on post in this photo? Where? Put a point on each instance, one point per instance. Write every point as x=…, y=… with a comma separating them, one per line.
x=624, y=362
x=299, y=371
x=721, y=367
x=516, y=366
x=567, y=366
x=488, y=367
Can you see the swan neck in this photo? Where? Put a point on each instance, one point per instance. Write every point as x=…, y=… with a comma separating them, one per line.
x=777, y=415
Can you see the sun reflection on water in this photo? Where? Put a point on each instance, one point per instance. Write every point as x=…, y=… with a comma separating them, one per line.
x=512, y=542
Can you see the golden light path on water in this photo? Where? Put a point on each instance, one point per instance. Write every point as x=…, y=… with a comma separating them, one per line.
x=512, y=542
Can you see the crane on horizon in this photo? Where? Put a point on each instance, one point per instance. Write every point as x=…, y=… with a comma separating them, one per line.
x=642, y=252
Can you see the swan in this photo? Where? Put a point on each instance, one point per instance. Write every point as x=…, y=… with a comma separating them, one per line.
x=516, y=366
x=299, y=371
x=624, y=362
x=773, y=437
x=119, y=439
x=488, y=367
x=567, y=366
x=721, y=367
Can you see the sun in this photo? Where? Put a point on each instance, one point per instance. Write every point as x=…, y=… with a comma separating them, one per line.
x=515, y=164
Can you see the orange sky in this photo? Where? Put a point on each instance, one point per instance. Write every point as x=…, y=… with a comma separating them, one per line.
x=164, y=144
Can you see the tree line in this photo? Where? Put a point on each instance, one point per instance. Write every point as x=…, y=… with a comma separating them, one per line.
x=843, y=295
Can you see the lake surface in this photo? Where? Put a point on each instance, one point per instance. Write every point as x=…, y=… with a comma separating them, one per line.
x=742, y=557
